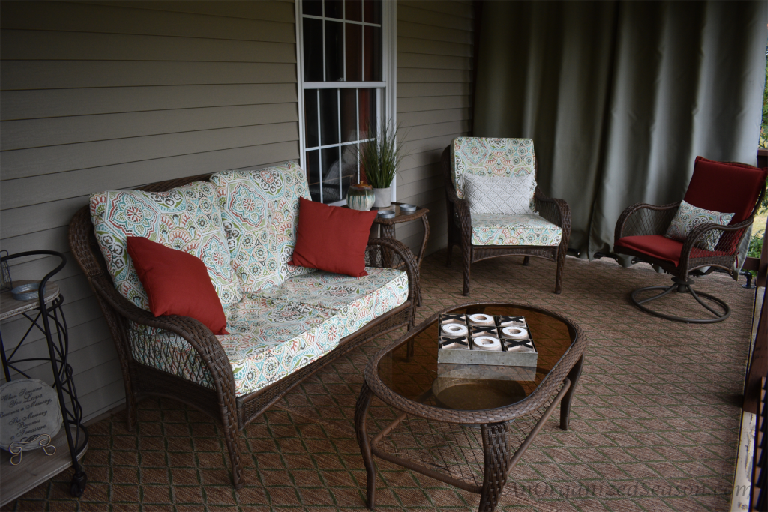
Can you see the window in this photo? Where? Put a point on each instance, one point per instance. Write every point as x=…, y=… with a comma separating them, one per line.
x=345, y=75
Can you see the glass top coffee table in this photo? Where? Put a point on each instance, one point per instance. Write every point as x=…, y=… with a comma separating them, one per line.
x=468, y=425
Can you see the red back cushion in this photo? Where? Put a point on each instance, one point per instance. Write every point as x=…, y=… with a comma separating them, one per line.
x=177, y=283
x=332, y=238
x=725, y=187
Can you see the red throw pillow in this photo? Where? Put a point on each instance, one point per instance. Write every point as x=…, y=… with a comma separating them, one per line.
x=332, y=238
x=177, y=283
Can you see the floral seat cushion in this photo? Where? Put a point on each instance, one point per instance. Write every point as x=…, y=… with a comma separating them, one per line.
x=526, y=229
x=358, y=300
x=269, y=339
x=281, y=329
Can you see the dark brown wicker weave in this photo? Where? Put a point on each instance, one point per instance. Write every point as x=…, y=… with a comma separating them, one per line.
x=555, y=211
x=646, y=219
x=235, y=412
x=500, y=457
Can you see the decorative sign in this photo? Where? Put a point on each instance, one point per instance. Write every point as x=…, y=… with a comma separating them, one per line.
x=29, y=408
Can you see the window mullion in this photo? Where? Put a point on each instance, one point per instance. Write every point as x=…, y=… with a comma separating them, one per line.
x=341, y=157
x=320, y=145
x=357, y=133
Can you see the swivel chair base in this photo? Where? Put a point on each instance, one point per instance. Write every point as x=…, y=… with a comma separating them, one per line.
x=681, y=286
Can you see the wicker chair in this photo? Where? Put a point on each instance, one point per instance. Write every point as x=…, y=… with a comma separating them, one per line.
x=490, y=235
x=235, y=412
x=714, y=186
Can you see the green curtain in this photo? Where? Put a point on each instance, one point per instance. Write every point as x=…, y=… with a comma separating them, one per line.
x=620, y=97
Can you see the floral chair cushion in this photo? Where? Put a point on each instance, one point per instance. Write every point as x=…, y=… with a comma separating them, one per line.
x=186, y=218
x=260, y=209
x=502, y=158
x=269, y=339
x=527, y=229
x=358, y=300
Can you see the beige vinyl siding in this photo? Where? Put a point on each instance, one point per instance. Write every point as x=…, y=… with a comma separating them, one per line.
x=434, y=102
x=109, y=95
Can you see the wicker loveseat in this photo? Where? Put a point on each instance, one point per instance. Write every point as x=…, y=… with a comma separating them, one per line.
x=283, y=322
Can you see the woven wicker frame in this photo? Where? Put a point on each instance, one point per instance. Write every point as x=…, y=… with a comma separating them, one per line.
x=234, y=412
x=561, y=382
x=555, y=211
x=646, y=219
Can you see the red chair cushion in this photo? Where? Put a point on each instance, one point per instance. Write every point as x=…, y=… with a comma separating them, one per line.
x=177, y=283
x=725, y=187
x=332, y=238
x=661, y=248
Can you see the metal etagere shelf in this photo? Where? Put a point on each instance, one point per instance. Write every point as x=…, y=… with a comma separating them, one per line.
x=45, y=314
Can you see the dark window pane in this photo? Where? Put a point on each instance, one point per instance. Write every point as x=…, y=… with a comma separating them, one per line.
x=313, y=50
x=348, y=115
x=373, y=11
x=329, y=117
x=367, y=112
x=311, y=129
x=372, y=54
x=313, y=7
x=333, y=9
x=313, y=174
x=354, y=52
x=334, y=41
x=331, y=174
x=354, y=10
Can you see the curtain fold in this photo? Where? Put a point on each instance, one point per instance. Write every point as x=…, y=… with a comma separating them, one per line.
x=620, y=97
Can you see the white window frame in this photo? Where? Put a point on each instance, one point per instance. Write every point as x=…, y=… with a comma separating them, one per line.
x=388, y=72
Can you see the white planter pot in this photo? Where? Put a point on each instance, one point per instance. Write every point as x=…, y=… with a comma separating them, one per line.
x=383, y=197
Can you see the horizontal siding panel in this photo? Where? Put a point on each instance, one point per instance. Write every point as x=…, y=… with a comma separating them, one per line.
x=261, y=10
x=18, y=221
x=407, y=105
x=435, y=116
x=420, y=31
x=418, y=14
x=461, y=8
x=50, y=239
x=40, y=189
x=105, y=398
x=433, y=75
x=78, y=129
x=131, y=18
x=25, y=163
x=423, y=61
x=406, y=177
x=424, y=47
x=37, y=45
x=427, y=151
x=435, y=130
x=76, y=102
x=426, y=89
x=71, y=74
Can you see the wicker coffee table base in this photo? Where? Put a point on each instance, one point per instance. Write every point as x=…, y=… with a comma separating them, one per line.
x=498, y=462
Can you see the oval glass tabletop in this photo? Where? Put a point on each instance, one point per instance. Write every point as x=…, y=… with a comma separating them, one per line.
x=473, y=387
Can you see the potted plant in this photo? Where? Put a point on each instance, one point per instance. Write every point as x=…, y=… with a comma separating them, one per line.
x=380, y=157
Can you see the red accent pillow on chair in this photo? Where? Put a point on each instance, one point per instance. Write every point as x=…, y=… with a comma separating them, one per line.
x=332, y=238
x=177, y=283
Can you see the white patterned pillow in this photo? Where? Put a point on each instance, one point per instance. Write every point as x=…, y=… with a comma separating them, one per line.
x=689, y=216
x=490, y=194
x=185, y=218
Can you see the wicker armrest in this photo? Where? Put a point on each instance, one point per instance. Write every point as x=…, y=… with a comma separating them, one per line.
x=390, y=253
x=645, y=219
x=555, y=211
x=729, y=238
x=195, y=332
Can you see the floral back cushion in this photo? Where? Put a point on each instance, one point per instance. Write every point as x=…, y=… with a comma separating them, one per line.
x=501, y=158
x=260, y=211
x=689, y=216
x=186, y=218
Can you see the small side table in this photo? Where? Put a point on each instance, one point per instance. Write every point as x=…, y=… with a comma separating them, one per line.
x=387, y=229
x=45, y=315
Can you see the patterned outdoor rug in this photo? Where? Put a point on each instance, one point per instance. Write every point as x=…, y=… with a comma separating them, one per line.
x=654, y=424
